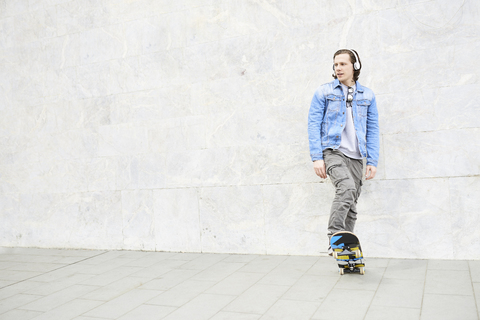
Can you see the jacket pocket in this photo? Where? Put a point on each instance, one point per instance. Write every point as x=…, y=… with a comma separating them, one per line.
x=333, y=102
x=362, y=107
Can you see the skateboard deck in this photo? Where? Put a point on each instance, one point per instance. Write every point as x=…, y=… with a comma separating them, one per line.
x=348, y=252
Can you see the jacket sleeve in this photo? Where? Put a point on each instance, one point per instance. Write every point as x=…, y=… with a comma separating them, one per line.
x=315, y=118
x=373, y=134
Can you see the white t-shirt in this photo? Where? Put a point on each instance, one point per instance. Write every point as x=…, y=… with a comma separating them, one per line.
x=349, y=142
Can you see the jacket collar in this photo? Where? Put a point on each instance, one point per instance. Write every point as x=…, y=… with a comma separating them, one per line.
x=359, y=87
x=336, y=83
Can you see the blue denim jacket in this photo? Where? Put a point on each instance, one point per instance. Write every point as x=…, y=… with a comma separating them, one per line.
x=326, y=121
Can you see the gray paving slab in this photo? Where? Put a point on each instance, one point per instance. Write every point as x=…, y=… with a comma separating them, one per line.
x=311, y=288
x=204, y=306
x=69, y=310
x=236, y=283
x=399, y=293
x=57, y=299
x=358, y=300
x=182, y=293
x=476, y=288
x=455, y=282
x=20, y=314
x=123, y=304
x=16, y=288
x=219, y=271
x=448, y=307
x=148, y=312
x=406, y=269
x=257, y=299
x=291, y=309
x=392, y=313
x=223, y=315
x=60, y=284
x=474, y=267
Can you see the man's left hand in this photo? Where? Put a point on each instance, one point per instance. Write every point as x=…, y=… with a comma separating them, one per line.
x=370, y=173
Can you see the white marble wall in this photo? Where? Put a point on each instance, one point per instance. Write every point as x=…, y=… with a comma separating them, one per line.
x=182, y=125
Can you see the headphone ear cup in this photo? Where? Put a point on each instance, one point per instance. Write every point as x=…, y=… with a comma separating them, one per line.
x=356, y=65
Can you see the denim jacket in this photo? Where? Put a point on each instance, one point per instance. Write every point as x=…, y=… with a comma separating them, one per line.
x=326, y=121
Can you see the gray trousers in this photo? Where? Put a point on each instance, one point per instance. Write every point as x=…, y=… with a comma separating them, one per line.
x=346, y=175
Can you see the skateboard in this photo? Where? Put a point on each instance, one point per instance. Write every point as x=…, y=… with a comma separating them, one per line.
x=348, y=252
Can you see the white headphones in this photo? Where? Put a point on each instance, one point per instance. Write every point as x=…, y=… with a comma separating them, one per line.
x=356, y=65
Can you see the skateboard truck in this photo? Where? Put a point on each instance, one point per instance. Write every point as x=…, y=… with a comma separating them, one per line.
x=351, y=265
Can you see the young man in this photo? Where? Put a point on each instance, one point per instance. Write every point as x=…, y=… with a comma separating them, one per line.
x=342, y=130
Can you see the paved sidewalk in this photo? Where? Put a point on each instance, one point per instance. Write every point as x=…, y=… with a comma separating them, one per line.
x=87, y=285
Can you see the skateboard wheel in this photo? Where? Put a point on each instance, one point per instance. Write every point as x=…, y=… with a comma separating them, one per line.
x=362, y=270
x=358, y=253
x=341, y=271
x=335, y=254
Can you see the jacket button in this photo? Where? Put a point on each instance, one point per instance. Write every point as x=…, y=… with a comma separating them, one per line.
x=337, y=136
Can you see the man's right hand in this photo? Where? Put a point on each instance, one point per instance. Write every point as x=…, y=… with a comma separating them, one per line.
x=319, y=167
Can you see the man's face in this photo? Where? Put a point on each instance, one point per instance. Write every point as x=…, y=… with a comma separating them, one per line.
x=343, y=68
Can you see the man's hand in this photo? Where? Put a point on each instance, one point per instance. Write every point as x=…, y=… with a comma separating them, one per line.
x=319, y=167
x=370, y=173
